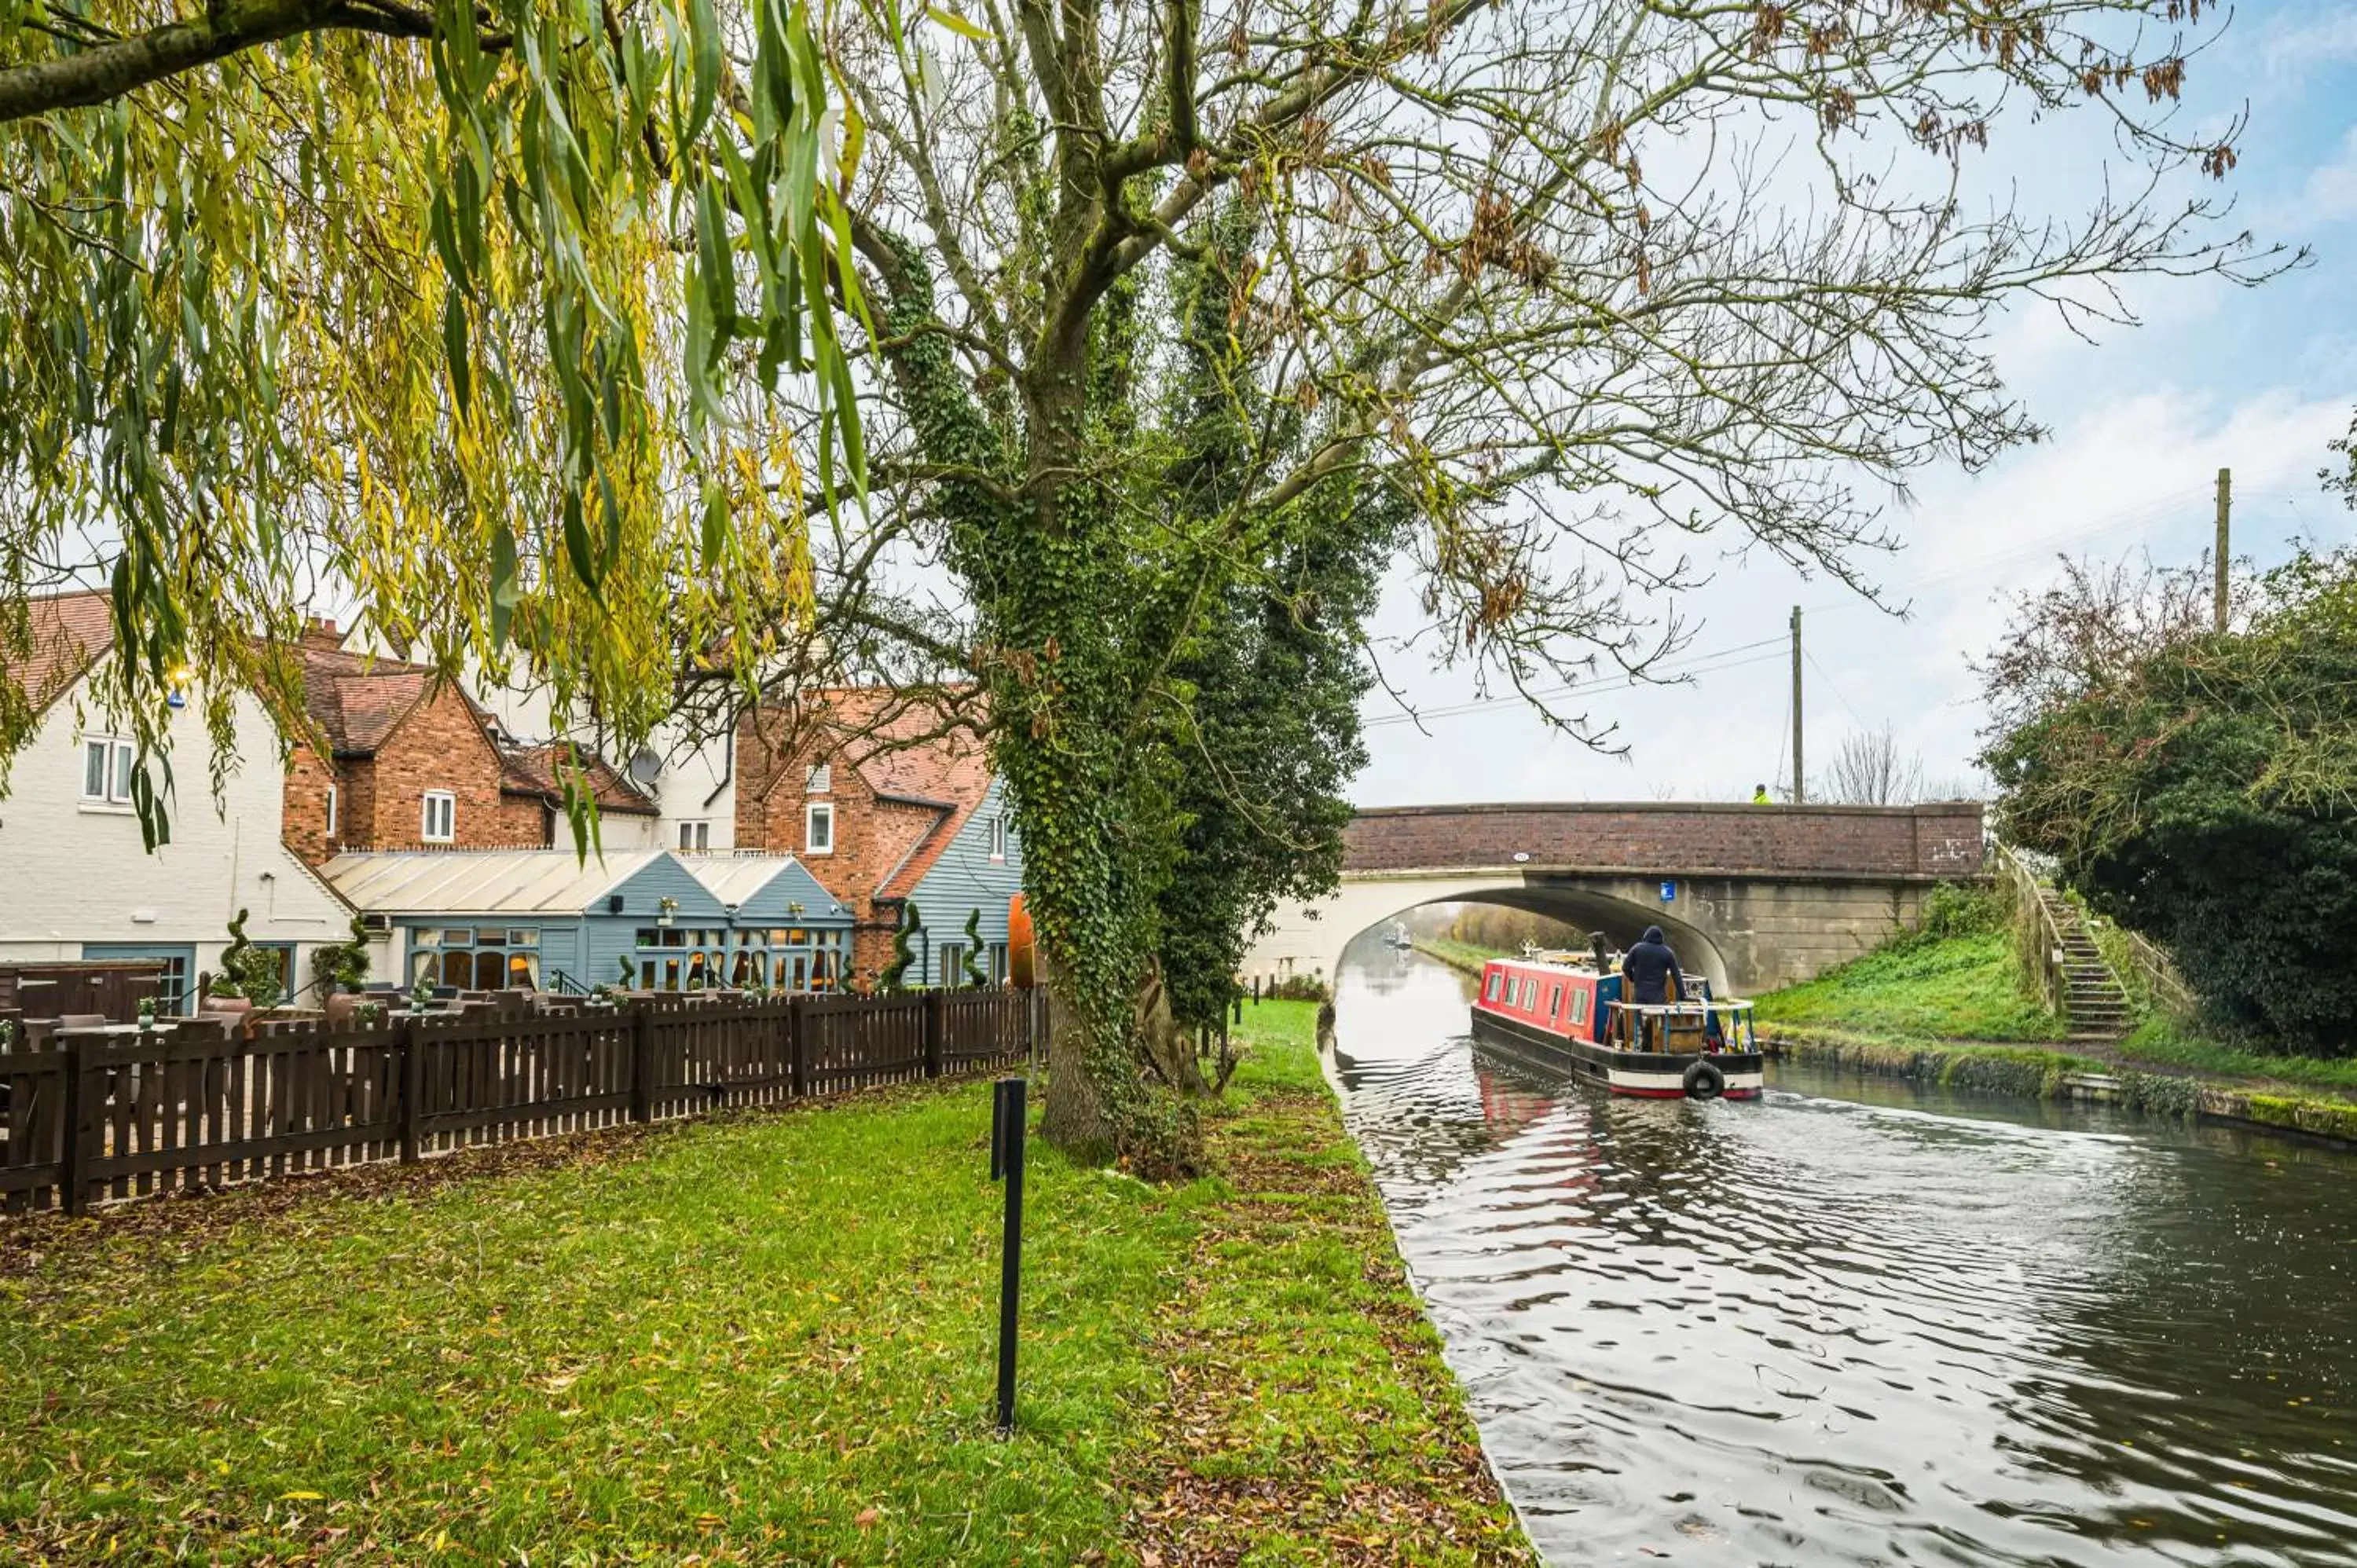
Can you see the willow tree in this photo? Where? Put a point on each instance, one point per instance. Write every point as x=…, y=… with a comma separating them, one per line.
x=498, y=315
x=1567, y=283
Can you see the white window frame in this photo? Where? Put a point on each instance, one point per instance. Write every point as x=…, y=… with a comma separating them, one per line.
x=815, y=812
x=332, y=822
x=115, y=785
x=998, y=835
x=819, y=779
x=695, y=835
x=449, y=804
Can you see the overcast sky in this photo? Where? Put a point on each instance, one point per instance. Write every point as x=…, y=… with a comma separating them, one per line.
x=2217, y=376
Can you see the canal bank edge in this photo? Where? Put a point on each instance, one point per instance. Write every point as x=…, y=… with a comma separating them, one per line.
x=2038, y=1074
x=1349, y=1393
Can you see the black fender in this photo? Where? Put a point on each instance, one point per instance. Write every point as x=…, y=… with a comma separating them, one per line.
x=1703, y=1080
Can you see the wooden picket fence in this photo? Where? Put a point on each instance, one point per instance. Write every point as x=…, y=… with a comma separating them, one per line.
x=88, y=1117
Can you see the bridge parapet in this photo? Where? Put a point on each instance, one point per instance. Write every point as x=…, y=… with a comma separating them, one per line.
x=1928, y=842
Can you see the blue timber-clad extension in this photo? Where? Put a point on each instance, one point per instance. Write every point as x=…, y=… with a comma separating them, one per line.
x=495, y=918
x=787, y=932
x=981, y=870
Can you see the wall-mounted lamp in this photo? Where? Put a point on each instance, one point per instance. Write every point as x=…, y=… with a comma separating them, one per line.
x=1522, y=855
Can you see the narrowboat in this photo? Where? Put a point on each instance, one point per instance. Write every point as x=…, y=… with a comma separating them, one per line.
x=1564, y=1013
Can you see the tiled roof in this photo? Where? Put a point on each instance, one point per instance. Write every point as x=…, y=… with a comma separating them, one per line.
x=69, y=632
x=356, y=701
x=533, y=770
x=907, y=749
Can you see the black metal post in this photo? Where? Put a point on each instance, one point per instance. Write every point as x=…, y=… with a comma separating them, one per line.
x=1007, y=1120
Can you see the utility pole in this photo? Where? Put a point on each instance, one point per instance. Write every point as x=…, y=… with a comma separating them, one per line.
x=1799, y=792
x=2225, y=516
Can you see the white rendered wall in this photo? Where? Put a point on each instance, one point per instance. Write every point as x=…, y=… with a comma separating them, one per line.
x=71, y=872
x=698, y=785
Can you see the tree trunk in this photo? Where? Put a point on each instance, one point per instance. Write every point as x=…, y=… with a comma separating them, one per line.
x=1164, y=1043
x=1076, y=1118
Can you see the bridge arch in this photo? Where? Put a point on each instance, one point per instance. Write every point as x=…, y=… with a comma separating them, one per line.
x=1762, y=896
x=1621, y=918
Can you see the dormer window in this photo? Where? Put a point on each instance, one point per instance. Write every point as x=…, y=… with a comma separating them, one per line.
x=820, y=780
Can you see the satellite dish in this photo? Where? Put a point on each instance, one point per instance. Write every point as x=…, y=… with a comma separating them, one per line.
x=645, y=767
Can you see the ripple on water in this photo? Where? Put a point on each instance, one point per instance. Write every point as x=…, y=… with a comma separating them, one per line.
x=1845, y=1327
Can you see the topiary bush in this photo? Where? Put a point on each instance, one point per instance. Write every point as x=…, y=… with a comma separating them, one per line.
x=904, y=950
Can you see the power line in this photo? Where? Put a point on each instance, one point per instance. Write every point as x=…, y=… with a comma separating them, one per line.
x=1713, y=663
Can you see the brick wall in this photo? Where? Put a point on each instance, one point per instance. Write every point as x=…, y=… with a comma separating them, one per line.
x=439, y=746
x=309, y=776
x=1941, y=840
x=872, y=836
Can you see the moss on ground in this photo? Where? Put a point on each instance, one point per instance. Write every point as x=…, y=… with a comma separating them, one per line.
x=753, y=1340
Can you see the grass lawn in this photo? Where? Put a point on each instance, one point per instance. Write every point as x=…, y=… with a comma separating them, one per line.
x=1960, y=988
x=758, y=1340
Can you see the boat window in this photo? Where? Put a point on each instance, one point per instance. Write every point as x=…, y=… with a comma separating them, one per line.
x=1554, y=1001
x=1530, y=994
x=1579, y=1006
x=1491, y=994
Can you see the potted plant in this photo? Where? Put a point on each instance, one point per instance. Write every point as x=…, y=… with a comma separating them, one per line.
x=146, y=1012
x=666, y=910
x=421, y=995
x=248, y=978
x=341, y=969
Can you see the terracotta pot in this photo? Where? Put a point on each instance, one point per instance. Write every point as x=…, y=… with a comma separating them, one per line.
x=344, y=1004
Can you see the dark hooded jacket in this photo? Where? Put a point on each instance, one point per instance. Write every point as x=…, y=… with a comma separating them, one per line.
x=1650, y=967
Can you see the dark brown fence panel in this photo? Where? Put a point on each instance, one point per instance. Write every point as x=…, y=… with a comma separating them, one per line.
x=861, y=1042
x=707, y=1054
x=90, y=1116
x=985, y=1031
x=490, y=1077
x=195, y=1109
x=32, y=1126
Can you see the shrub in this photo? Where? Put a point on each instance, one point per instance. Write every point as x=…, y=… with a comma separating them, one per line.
x=247, y=970
x=2204, y=794
x=1301, y=988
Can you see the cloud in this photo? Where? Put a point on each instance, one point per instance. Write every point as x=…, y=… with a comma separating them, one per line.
x=2329, y=195
x=2121, y=473
x=2298, y=41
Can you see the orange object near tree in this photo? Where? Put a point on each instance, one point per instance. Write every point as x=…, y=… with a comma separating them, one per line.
x=1019, y=946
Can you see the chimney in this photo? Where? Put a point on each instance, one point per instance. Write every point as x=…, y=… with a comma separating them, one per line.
x=321, y=633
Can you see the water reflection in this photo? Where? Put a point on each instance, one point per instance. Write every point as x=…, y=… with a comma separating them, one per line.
x=1856, y=1323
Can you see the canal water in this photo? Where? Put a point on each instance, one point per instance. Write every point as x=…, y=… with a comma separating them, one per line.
x=1855, y=1322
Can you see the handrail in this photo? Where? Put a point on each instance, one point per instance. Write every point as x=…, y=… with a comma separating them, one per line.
x=2047, y=965
x=2159, y=971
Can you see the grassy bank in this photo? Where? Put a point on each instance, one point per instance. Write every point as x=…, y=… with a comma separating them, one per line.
x=1456, y=954
x=756, y=1340
x=1964, y=987
x=1951, y=1009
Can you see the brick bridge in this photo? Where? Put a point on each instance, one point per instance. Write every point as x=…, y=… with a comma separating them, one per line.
x=1754, y=896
